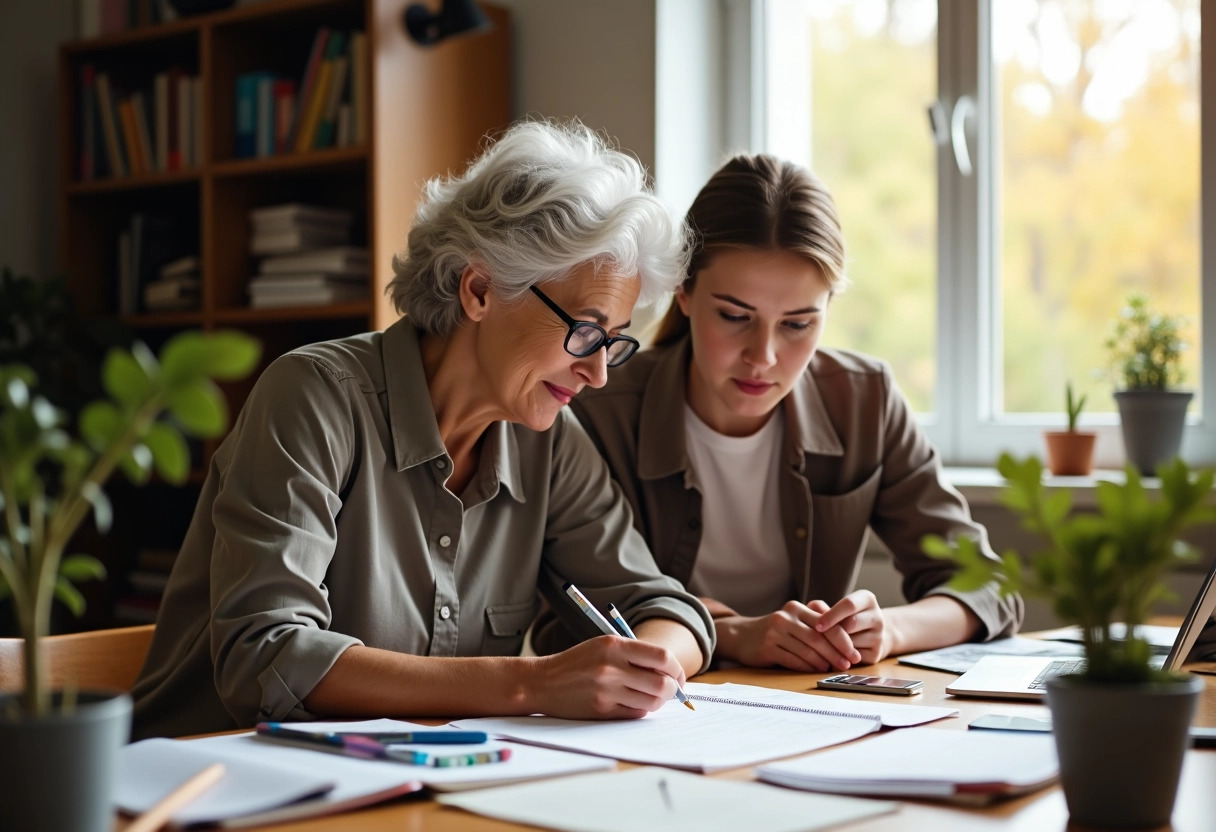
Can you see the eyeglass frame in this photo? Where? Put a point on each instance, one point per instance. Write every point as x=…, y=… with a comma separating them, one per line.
x=606, y=341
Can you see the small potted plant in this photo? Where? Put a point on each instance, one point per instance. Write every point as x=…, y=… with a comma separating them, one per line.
x=60, y=747
x=1120, y=726
x=1070, y=453
x=1146, y=357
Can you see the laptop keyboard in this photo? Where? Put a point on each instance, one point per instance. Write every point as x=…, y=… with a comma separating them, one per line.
x=1062, y=667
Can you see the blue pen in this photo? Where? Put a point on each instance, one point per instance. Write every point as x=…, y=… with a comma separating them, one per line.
x=359, y=745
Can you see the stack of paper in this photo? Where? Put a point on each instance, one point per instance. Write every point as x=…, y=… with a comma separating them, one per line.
x=269, y=782
x=733, y=726
x=658, y=800
x=964, y=766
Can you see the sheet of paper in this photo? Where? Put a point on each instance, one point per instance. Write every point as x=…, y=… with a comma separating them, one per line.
x=717, y=735
x=660, y=800
x=959, y=658
x=526, y=763
x=923, y=761
x=1156, y=635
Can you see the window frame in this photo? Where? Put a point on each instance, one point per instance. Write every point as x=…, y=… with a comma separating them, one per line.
x=965, y=427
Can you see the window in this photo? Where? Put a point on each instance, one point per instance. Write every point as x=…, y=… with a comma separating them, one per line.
x=1007, y=174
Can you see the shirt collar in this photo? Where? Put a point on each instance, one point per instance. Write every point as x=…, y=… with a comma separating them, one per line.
x=411, y=415
x=661, y=448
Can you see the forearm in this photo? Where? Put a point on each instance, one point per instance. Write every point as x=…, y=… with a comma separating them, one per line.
x=677, y=638
x=932, y=622
x=369, y=682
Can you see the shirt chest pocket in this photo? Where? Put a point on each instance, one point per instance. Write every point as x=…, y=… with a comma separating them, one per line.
x=841, y=520
x=505, y=628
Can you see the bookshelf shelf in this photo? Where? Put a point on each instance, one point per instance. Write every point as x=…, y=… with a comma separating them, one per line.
x=287, y=314
x=312, y=160
x=428, y=110
x=116, y=184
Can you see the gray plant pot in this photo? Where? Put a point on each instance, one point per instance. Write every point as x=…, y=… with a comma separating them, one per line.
x=57, y=771
x=1152, y=422
x=1121, y=748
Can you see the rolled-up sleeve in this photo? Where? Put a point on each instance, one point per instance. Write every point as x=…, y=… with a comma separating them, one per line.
x=914, y=500
x=275, y=519
x=590, y=541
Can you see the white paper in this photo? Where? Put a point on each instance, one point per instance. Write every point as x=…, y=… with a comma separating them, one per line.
x=717, y=735
x=634, y=800
x=1156, y=635
x=923, y=761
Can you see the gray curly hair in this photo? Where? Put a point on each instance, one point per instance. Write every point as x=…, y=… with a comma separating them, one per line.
x=545, y=199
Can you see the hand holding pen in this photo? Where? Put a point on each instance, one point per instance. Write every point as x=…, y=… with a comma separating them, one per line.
x=621, y=628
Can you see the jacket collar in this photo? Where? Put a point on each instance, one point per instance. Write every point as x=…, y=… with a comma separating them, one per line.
x=661, y=447
x=411, y=415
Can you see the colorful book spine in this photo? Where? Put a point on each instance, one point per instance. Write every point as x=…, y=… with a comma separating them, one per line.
x=110, y=126
x=316, y=56
x=246, y=115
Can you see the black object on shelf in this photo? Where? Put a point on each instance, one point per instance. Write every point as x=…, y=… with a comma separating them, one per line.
x=186, y=8
x=455, y=17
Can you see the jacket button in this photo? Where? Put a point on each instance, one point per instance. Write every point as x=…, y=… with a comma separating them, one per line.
x=800, y=533
x=266, y=711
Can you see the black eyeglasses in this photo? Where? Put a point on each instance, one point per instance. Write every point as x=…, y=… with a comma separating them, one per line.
x=585, y=337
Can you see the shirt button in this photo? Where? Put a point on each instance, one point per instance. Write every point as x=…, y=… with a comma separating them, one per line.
x=444, y=612
x=441, y=464
x=266, y=710
x=445, y=541
x=800, y=532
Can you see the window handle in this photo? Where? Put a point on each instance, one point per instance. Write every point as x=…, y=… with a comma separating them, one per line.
x=964, y=107
x=937, y=123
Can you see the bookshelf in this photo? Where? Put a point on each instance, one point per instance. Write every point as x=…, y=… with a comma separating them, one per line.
x=428, y=111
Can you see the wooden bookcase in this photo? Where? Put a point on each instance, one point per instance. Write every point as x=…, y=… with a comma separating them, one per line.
x=430, y=111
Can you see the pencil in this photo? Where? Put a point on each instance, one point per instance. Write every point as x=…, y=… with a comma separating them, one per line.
x=156, y=817
x=623, y=626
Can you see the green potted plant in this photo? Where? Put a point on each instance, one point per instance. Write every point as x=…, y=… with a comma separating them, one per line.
x=1120, y=726
x=1146, y=364
x=1070, y=453
x=60, y=747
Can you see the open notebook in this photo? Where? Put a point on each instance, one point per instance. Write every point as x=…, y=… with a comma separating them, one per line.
x=733, y=726
x=961, y=766
x=271, y=782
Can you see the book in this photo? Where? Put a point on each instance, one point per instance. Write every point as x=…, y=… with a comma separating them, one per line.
x=734, y=725
x=316, y=55
x=960, y=766
x=110, y=123
x=147, y=154
x=151, y=768
x=307, y=297
x=300, y=239
x=284, y=94
x=314, y=111
x=246, y=115
x=337, y=260
x=360, y=92
x=327, y=128
x=316, y=280
x=658, y=799
x=188, y=265
x=297, y=212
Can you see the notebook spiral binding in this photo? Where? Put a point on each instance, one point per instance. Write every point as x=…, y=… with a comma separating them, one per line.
x=726, y=700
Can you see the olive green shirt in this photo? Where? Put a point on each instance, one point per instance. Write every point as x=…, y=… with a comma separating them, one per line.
x=324, y=522
x=854, y=460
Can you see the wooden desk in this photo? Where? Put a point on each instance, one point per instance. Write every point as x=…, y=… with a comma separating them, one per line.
x=1045, y=811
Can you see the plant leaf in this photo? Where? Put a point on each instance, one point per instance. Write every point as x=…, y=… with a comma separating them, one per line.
x=103, y=514
x=200, y=408
x=69, y=595
x=169, y=452
x=226, y=354
x=100, y=424
x=125, y=378
x=79, y=568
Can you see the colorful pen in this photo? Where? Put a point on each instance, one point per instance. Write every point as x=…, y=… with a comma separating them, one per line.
x=595, y=615
x=359, y=745
x=427, y=737
x=623, y=626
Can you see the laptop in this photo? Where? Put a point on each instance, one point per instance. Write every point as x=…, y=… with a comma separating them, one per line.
x=1025, y=677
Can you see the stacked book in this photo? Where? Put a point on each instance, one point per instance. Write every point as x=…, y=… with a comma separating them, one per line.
x=294, y=227
x=176, y=286
x=311, y=278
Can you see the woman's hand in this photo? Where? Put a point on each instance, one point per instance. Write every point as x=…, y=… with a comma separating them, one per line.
x=607, y=678
x=861, y=619
x=786, y=638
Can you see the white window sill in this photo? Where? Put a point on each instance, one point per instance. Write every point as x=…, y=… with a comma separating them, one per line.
x=982, y=486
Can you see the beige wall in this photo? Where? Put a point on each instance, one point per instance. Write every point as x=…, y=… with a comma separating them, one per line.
x=30, y=33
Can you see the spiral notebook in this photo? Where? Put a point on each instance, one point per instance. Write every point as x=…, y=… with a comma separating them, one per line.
x=733, y=726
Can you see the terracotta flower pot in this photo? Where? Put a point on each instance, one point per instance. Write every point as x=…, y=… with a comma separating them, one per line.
x=1070, y=453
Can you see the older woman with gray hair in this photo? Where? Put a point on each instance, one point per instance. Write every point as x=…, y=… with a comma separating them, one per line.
x=372, y=534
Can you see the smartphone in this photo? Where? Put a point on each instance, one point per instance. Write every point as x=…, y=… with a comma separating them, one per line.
x=872, y=684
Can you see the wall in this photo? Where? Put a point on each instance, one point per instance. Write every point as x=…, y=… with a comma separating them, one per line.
x=29, y=36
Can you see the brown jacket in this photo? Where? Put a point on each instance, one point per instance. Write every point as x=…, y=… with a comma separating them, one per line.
x=855, y=461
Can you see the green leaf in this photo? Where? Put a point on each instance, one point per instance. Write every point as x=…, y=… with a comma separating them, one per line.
x=137, y=464
x=200, y=408
x=226, y=355
x=79, y=568
x=103, y=514
x=69, y=595
x=936, y=546
x=100, y=424
x=125, y=378
x=169, y=452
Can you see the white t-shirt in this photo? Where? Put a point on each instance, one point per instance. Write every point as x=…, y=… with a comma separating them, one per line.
x=742, y=560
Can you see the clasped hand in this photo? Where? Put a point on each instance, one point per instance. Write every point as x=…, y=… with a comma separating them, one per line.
x=811, y=637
